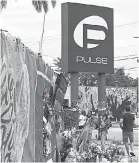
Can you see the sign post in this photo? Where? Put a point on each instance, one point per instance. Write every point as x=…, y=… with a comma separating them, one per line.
x=87, y=43
x=101, y=87
x=74, y=88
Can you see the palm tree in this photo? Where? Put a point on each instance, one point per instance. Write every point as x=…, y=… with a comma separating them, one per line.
x=40, y=6
x=3, y=4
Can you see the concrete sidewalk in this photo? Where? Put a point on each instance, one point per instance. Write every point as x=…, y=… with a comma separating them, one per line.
x=116, y=134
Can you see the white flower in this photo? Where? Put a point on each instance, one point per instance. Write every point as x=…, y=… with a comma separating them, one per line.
x=104, y=160
x=114, y=162
x=48, y=128
x=124, y=160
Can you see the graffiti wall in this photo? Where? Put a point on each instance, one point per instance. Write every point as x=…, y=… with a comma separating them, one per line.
x=15, y=100
x=24, y=78
x=116, y=97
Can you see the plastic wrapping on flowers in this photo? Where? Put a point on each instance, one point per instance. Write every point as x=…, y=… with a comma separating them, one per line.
x=93, y=153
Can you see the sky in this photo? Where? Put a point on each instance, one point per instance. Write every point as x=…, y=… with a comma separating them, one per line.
x=21, y=20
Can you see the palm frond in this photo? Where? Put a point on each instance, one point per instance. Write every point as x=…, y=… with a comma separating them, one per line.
x=53, y=3
x=37, y=5
x=3, y=4
x=45, y=5
x=42, y=5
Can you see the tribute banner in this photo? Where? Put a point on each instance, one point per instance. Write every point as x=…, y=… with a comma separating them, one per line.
x=24, y=77
x=44, y=84
x=87, y=38
x=16, y=102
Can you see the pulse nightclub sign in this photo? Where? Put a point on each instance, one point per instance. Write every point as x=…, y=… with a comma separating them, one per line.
x=87, y=38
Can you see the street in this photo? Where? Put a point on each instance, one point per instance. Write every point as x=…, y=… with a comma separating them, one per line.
x=115, y=132
x=68, y=70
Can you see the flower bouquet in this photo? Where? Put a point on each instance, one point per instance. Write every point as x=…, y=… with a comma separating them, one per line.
x=114, y=153
x=66, y=145
x=96, y=152
x=91, y=154
x=74, y=156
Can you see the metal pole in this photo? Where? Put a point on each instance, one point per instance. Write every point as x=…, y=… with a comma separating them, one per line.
x=74, y=87
x=101, y=87
x=101, y=96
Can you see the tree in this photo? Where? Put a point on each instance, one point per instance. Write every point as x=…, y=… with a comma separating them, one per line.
x=40, y=6
x=3, y=4
x=91, y=79
x=87, y=79
x=120, y=77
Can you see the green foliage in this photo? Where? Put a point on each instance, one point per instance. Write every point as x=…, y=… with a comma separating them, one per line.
x=42, y=5
x=121, y=78
x=88, y=79
x=70, y=118
x=91, y=79
x=117, y=110
x=3, y=4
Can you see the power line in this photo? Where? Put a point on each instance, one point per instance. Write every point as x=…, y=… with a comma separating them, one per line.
x=126, y=59
x=48, y=56
x=33, y=38
x=132, y=68
x=128, y=24
x=114, y=60
x=114, y=57
x=46, y=37
x=35, y=43
x=121, y=47
x=126, y=56
x=52, y=38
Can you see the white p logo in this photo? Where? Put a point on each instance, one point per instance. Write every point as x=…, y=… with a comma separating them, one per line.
x=90, y=32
